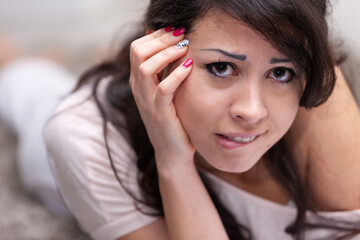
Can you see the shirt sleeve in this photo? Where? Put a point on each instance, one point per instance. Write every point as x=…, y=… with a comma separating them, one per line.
x=76, y=147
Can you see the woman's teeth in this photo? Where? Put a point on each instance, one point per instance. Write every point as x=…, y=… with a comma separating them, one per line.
x=241, y=140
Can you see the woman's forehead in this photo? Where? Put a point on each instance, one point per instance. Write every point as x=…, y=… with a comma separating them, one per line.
x=218, y=28
x=216, y=19
x=221, y=30
x=218, y=25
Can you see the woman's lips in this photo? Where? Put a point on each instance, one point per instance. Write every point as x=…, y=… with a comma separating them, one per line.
x=233, y=141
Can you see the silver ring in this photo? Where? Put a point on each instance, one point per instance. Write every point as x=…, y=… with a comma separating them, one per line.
x=183, y=43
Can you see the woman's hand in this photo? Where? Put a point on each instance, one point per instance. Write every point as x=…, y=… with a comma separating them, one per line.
x=154, y=90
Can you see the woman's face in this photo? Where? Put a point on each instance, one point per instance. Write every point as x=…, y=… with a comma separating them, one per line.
x=241, y=96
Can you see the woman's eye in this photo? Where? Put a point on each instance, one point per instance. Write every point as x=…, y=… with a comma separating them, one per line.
x=221, y=69
x=282, y=74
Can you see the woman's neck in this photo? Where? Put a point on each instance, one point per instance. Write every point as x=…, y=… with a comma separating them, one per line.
x=256, y=180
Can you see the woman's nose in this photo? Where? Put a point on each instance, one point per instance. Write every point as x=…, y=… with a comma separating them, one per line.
x=248, y=104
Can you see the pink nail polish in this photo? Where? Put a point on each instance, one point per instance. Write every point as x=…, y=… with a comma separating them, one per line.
x=169, y=29
x=179, y=31
x=188, y=63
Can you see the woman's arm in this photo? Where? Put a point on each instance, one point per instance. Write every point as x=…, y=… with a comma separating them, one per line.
x=189, y=211
x=325, y=142
x=156, y=230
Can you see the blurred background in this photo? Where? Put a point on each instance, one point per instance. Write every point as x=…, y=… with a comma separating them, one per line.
x=77, y=34
x=78, y=31
x=344, y=22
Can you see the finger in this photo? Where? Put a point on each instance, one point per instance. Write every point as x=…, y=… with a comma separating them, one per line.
x=142, y=52
x=138, y=42
x=160, y=60
x=153, y=35
x=149, y=37
x=167, y=87
x=156, y=64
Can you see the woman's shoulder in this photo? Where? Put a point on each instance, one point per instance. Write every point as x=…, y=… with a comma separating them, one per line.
x=75, y=119
x=87, y=168
x=77, y=124
x=324, y=143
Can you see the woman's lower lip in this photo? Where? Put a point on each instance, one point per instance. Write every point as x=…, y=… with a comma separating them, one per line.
x=228, y=143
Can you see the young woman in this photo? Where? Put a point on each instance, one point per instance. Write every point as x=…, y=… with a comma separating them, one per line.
x=181, y=135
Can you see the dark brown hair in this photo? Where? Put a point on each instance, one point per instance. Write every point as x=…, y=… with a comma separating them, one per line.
x=297, y=28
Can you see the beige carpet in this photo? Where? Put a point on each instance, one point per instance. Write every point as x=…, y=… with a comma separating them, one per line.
x=22, y=217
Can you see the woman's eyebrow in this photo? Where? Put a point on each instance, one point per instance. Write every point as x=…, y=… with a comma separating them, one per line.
x=279, y=60
x=240, y=57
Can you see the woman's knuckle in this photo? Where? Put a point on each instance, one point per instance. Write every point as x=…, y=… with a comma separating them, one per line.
x=164, y=40
x=139, y=53
x=165, y=54
x=163, y=90
x=143, y=70
x=133, y=46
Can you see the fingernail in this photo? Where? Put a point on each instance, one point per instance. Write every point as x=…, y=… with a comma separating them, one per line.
x=169, y=29
x=179, y=31
x=183, y=43
x=188, y=63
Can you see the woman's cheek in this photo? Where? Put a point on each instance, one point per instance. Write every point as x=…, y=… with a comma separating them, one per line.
x=284, y=109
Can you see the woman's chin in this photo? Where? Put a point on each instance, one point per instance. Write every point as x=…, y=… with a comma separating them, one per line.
x=225, y=165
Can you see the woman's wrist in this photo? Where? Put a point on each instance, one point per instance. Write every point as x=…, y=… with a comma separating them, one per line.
x=187, y=203
x=176, y=167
